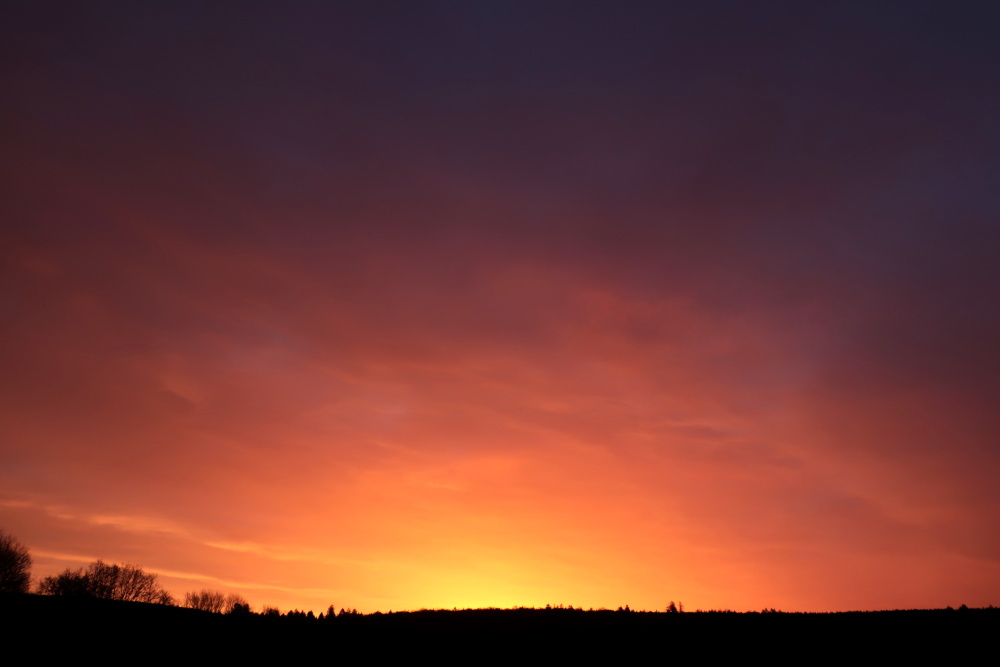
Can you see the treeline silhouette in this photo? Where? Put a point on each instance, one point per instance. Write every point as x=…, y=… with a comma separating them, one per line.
x=126, y=603
x=519, y=635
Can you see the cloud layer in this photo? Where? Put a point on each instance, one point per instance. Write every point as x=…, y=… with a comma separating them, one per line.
x=471, y=306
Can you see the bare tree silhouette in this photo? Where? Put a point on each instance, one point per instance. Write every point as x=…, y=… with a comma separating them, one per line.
x=216, y=602
x=111, y=582
x=15, y=565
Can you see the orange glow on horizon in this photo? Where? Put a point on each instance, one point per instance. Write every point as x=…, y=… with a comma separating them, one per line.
x=464, y=309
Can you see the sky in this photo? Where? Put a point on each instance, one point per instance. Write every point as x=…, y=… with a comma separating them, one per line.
x=466, y=304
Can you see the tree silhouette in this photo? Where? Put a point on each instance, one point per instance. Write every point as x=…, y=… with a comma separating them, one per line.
x=236, y=604
x=110, y=582
x=15, y=565
x=205, y=600
x=216, y=602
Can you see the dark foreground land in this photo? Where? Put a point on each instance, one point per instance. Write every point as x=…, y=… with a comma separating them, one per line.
x=74, y=627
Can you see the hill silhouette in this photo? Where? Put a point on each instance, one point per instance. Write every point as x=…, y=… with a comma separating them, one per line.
x=80, y=626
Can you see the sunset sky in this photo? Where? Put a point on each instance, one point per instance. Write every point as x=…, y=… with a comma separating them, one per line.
x=463, y=304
